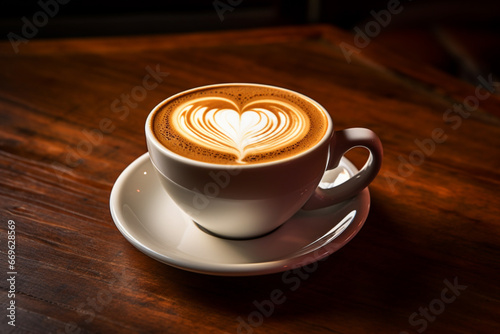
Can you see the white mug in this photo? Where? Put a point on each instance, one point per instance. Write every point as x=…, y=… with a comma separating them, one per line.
x=248, y=201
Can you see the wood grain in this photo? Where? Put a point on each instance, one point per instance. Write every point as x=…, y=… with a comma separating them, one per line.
x=64, y=139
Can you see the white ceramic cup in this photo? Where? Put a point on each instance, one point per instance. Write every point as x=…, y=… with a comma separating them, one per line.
x=247, y=201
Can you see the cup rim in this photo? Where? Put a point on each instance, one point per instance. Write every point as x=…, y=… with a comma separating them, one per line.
x=150, y=136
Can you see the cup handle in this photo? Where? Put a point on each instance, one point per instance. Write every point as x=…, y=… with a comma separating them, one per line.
x=343, y=141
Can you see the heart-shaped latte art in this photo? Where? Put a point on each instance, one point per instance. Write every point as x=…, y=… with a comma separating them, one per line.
x=260, y=126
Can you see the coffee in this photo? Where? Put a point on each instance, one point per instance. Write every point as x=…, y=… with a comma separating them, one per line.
x=239, y=124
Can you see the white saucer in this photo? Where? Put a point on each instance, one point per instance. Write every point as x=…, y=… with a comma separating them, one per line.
x=149, y=219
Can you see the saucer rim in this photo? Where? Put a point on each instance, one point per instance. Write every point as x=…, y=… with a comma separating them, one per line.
x=233, y=269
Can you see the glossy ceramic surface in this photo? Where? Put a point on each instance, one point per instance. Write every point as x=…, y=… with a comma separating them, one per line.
x=152, y=222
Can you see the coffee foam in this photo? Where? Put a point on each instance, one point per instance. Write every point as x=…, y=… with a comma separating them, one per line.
x=239, y=124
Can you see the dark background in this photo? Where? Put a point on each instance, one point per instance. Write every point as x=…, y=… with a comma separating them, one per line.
x=459, y=37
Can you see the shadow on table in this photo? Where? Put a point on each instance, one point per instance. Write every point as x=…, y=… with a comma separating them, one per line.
x=375, y=276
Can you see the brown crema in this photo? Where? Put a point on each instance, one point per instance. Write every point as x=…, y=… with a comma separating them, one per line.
x=239, y=124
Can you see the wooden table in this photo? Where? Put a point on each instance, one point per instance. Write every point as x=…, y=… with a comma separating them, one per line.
x=72, y=114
